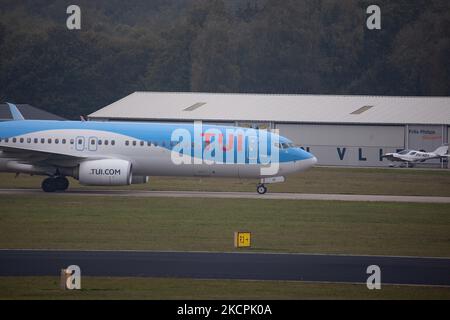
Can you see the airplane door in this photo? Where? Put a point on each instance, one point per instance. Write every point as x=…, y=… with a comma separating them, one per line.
x=79, y=143
x=251, y=169
x=93, y=141
x=252, y=149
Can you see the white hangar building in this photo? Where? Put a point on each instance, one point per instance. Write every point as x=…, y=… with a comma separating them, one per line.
x=340, y=130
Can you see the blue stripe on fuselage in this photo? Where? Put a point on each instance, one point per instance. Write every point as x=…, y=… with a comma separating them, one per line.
x=157, y=131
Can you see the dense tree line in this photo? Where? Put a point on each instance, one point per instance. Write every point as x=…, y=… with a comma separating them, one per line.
x=264, y=46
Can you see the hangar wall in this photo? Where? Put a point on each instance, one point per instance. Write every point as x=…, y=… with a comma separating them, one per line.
x=346, y=145
x=341, y=130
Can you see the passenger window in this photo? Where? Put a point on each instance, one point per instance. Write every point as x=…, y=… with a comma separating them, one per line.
x=99, y=142
x=14, y=140
x=149, y=143
x=134, y=143
x=49, y=140
x=127, y=143
x=7, y=140
x=142, y=143
x=42, y=140
x=113, y=142
x=156, y=144
x=35, y=140
x=92, y=142
x=72, y=141
x=106, y=142
x=63, y=141
x=56, y=141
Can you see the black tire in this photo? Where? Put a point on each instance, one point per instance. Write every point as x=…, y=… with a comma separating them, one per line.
x=62, y=183
x=261, y=189
x=48, y=185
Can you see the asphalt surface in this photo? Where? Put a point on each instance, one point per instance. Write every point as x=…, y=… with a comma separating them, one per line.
x=217, y=265
x=231, y=195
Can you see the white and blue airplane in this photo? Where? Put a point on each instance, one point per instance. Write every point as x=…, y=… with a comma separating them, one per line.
x=124, y=153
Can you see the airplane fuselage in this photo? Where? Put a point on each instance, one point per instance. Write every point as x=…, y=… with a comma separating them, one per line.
x=163, y=149
x=412, y=156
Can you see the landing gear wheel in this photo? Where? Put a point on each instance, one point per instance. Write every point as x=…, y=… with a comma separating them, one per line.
x=261, y=189
x=49, y=185
x=52, y=184
x=61, y=183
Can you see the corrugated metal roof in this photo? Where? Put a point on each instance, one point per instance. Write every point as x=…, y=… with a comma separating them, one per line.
x=279, y=108
x=29, y=112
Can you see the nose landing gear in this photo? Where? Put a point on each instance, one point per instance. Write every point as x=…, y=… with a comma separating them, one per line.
x=53, y=184
x=261, y=188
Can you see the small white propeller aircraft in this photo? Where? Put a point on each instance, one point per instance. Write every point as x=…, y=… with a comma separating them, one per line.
x=415, y=156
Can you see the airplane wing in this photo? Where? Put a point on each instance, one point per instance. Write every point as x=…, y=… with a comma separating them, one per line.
x=35, y=157
x=28, y=156
x=391, y=157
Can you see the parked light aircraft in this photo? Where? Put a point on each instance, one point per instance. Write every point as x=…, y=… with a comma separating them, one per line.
x=124, y=153
x=415, y=156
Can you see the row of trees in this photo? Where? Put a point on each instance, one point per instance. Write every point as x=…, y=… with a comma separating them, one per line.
x=266, y=46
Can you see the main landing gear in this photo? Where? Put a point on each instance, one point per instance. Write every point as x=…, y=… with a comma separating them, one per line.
x=261, y=188
x=53, y=184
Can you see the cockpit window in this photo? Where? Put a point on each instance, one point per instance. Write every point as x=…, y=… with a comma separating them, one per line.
x=412, y=153
x=284, y=145
x=403, y=152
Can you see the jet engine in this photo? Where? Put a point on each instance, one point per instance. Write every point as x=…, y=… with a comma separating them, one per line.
x=105, y=172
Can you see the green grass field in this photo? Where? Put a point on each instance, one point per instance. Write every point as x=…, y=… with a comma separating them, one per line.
x=151, y=288
x=60, y=221
x=385, y=181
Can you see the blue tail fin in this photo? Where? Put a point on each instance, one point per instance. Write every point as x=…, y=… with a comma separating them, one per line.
x=15, y=112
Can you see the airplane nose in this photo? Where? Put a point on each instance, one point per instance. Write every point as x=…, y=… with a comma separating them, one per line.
x=305, y=164
x=311, y=162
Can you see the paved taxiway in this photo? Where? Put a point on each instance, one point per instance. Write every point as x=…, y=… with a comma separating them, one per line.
x=232, y=195
x=220, y=265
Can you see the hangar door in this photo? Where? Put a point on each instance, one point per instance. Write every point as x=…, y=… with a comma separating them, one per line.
x=346, y=145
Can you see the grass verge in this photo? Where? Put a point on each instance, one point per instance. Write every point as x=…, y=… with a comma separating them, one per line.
x=65, y=222
x=150, y=288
